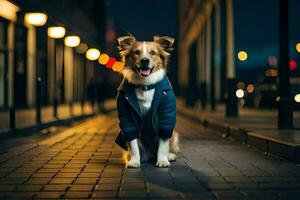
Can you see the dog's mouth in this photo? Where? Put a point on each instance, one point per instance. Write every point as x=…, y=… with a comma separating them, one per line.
x=144, y=71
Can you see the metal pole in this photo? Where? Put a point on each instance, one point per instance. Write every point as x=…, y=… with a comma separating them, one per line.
x=55, y=81
x=285, y=109
x=231, y=100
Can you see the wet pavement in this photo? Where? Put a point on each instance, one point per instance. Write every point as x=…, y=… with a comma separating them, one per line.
x=82, y=162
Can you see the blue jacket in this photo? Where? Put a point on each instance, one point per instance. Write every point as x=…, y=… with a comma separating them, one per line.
x=163, y=111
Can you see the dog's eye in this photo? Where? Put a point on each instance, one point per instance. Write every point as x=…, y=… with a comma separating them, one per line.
x=152, y=52
x=137, y=52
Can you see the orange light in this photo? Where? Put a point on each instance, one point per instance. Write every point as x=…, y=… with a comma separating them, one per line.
x=250, y=88
x=118, y=66
x=103, y=59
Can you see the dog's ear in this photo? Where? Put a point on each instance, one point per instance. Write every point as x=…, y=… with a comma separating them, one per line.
x=165, y=42
x=125, y=42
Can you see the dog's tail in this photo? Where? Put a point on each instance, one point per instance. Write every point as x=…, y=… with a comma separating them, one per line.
x=174, y=143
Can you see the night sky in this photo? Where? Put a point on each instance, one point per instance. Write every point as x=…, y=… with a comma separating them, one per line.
x=256, y=25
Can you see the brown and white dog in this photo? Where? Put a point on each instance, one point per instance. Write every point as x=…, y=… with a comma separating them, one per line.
x=146, y=64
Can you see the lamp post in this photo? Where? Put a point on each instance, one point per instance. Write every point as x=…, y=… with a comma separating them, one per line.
x=285, y=109
x=37, y=19
x=231, y=100
x=72, y=41
x=55, y=32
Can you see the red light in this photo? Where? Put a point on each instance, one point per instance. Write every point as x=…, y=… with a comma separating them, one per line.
x=293, y=64
x=110, y=62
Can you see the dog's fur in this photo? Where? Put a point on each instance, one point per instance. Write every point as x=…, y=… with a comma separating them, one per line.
x=156, y=54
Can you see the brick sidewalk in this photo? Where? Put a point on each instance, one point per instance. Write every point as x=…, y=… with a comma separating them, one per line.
x=83, y=162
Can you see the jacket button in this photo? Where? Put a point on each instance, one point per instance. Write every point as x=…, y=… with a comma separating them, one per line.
x=164, y=93
x=126, y=97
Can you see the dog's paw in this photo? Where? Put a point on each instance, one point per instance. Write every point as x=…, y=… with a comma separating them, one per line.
x=133, y=163
x=163, y=163
x=172, y=157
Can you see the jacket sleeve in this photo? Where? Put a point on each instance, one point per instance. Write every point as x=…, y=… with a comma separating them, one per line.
x=167, y=114
x=129, y=130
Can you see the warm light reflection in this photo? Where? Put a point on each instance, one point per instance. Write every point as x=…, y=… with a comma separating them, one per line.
x=92, y=54
x=72, y=41
x=56, y=32
x=242, y=56
x=36, y=19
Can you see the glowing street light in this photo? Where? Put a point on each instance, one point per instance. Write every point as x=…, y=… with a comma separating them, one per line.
x=103, y=59
x=242, y=56
x=297, y=98
x=36, y=18
x=298, y=47
x=92, y=54
x=240, y=93
x=56, y=32
x=72, y=41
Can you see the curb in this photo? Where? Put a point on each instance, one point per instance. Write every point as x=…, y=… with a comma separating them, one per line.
x=271, y=146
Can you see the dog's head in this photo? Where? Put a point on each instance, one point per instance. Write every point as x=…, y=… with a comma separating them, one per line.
x=145, y=57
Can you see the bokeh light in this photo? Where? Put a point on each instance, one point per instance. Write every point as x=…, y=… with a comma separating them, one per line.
x=81, y=48
x=36, y=18
x=92, y=54
x=242, y=56
x=297, y=98
x=111, y=61
x=118, y=66
x=298, y=47
x=56, y=32
x=103, y=59
x=72, y=41
x=250, y=88
x=240, y=93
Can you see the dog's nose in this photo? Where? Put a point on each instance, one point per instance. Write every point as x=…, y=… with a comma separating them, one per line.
x=144, y=62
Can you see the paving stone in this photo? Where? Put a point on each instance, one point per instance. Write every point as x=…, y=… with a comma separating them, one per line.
x=86, y=180
x=29, y=188
x=107, y=186
x=49, y=195
x=81, y=187
x=259, y=193
x=110, y=180
x=77, y=195
x=104, y=194
x=56, y=187
x=62, y=180
x=227, y=194
x=66, y=175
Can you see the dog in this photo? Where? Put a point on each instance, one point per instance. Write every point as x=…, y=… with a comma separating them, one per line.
x=146, y=102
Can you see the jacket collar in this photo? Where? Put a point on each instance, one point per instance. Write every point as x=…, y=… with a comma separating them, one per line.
x=164, y=84
x=128, y=90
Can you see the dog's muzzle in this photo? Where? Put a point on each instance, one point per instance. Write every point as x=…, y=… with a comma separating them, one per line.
x=145, y=69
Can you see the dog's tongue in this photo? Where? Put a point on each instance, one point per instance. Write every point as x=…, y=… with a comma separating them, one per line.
x=145, y=72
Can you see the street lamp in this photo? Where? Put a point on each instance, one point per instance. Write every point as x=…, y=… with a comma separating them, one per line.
x=36, y=18
x=56, y=32
x=72, y=41
x=298, y=47
x=242, y=56
x=92, y=54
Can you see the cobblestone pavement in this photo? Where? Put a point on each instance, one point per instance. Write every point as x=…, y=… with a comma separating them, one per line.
x=83, y=162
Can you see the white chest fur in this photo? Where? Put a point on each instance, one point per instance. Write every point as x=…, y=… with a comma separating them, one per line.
x=144, y=99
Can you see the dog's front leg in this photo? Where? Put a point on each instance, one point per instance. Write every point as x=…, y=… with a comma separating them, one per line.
x=163, y=153
x=134, y=161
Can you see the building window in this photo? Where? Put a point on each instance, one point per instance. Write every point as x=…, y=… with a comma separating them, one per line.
x=3, y=63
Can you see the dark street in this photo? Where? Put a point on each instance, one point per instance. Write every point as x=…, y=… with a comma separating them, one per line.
x=131, y=99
